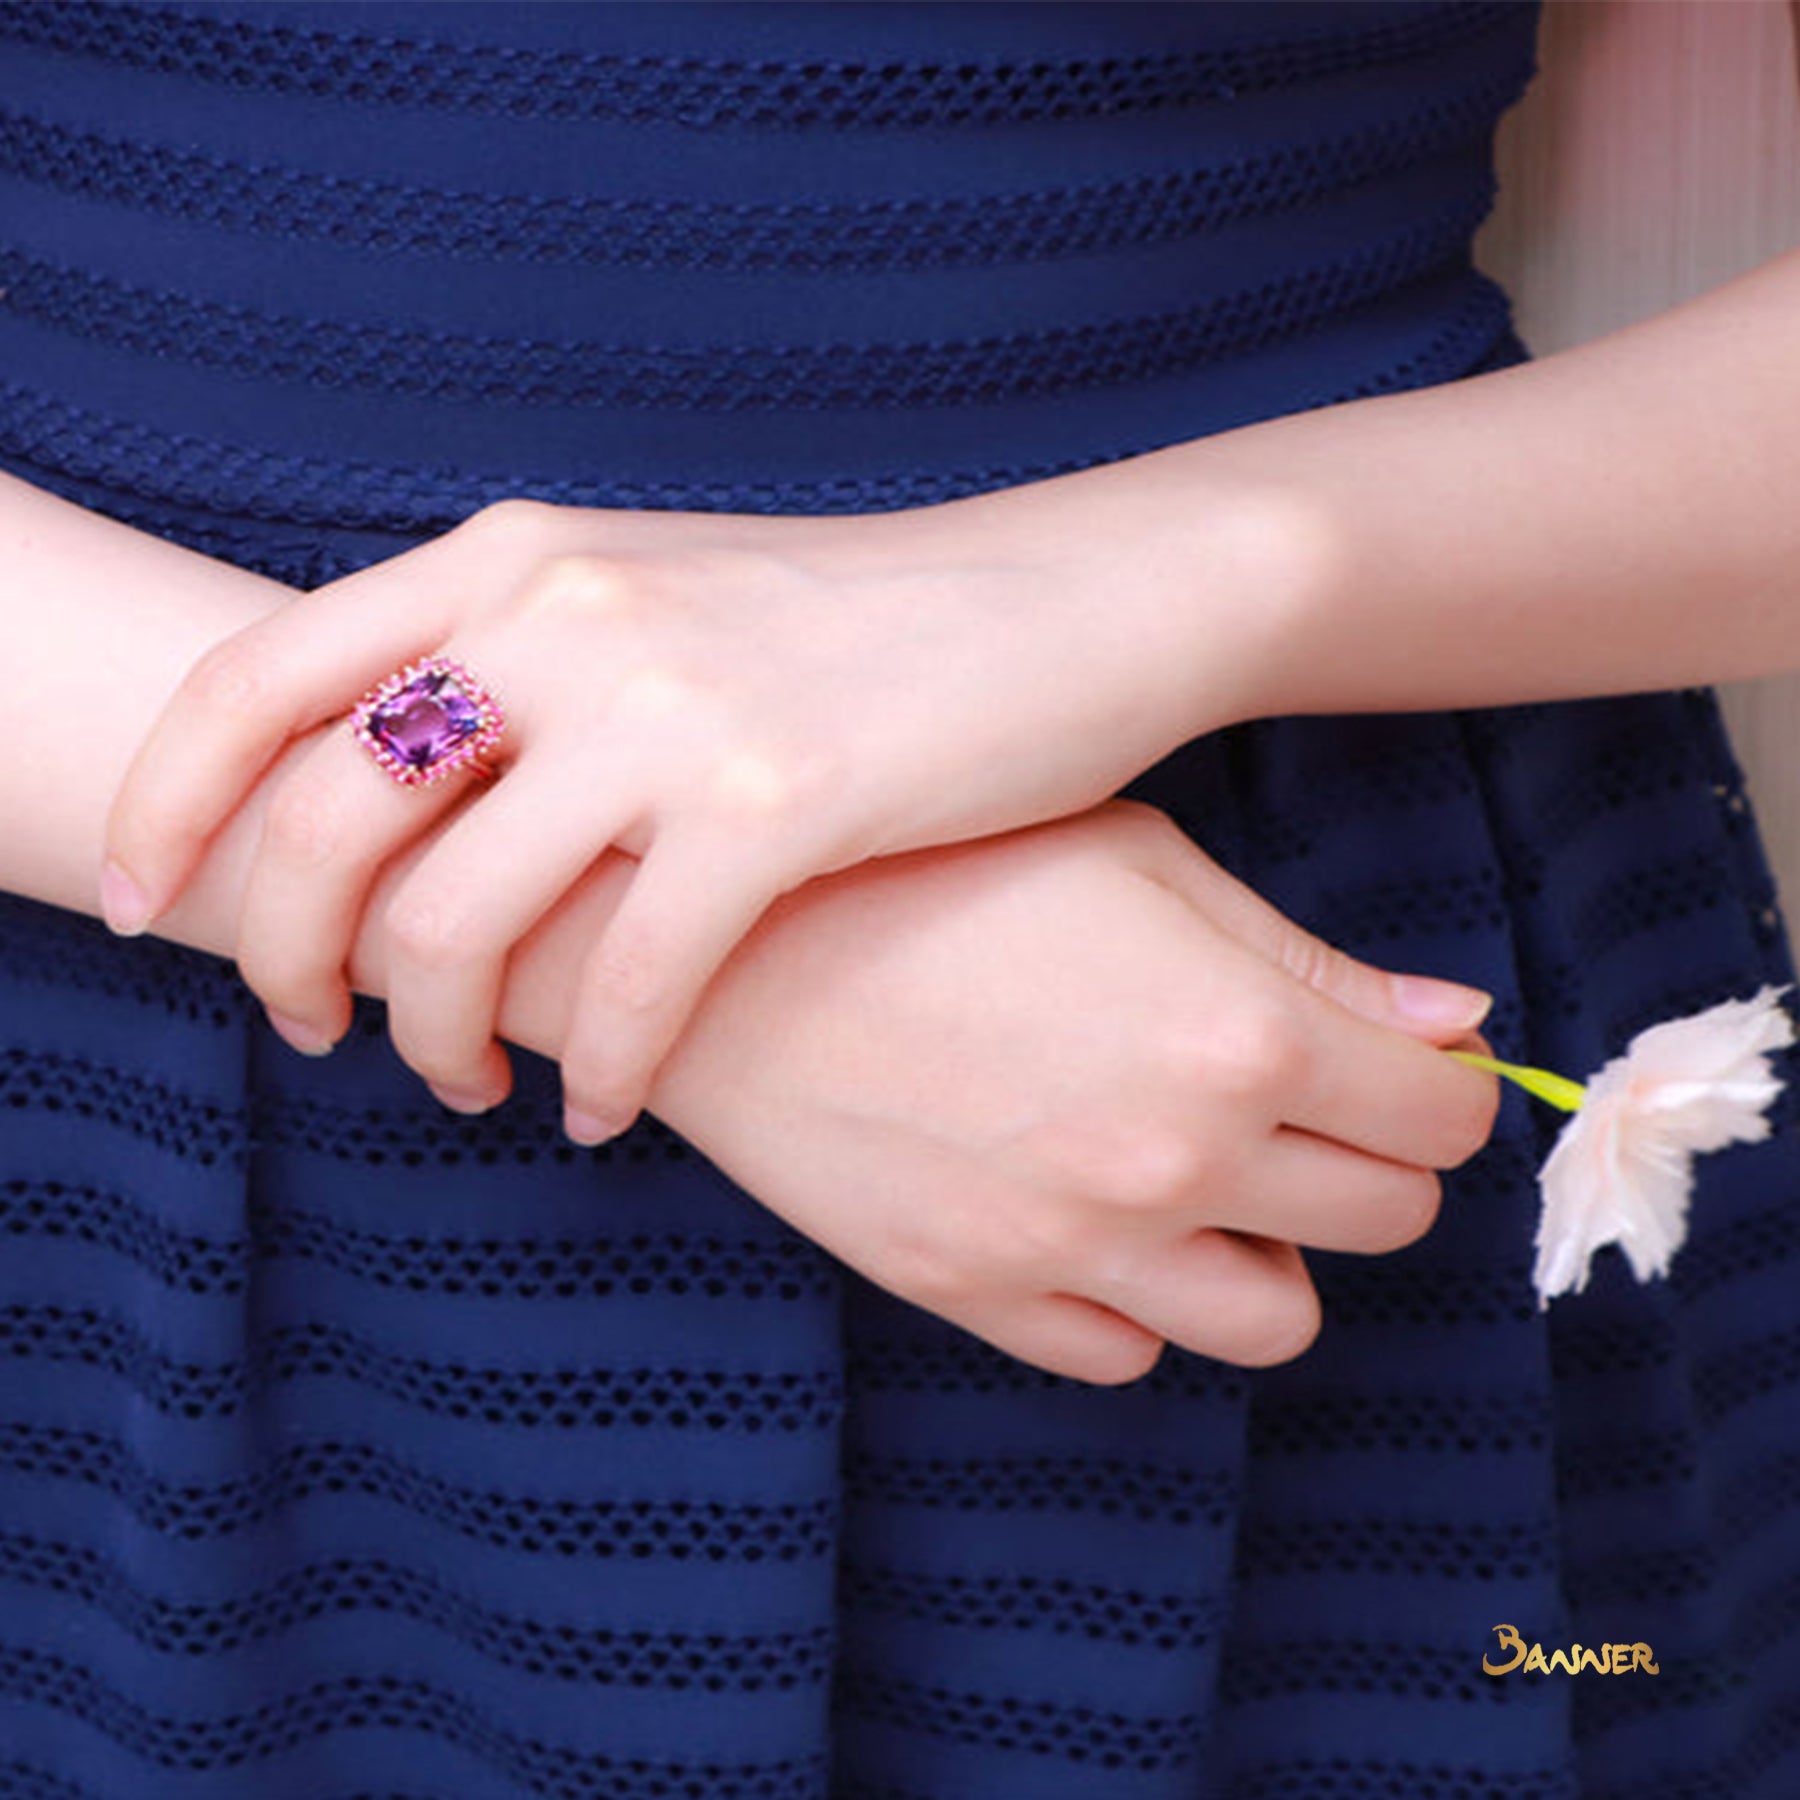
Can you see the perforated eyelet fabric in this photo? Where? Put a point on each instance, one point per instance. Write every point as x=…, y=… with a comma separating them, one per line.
x=351, y=1449
x=436, y=68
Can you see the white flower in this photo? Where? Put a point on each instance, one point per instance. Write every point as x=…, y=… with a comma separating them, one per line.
x=1621, y=1171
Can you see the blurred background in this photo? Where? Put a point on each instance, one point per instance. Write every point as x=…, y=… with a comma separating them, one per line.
x=1656, y=155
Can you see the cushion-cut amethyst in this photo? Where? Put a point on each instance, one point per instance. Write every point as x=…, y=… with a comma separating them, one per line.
x=425, y=720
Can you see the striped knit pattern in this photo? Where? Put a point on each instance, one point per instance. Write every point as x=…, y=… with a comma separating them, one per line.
x=349, y=1447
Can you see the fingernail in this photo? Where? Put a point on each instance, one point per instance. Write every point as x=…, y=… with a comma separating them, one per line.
x=466, y=1100
x=1444, y=1005
x=589, y=1128
x=124, y=904
x=309, y=1040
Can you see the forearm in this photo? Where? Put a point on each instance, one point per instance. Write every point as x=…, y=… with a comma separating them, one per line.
x=1620, y=517
x=99, y=622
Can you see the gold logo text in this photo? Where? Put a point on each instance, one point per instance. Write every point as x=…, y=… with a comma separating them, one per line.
x=1608, y=1659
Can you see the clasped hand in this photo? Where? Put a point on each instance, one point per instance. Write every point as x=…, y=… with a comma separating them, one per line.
x=740, y=703
x=1070, y=1087
x=1074, y=1089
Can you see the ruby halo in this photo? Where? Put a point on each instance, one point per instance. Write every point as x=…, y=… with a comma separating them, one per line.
x=427, y=719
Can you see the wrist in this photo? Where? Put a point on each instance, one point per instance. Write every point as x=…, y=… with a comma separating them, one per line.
x=100, y=622
x=1195, y=588
x=1254, y=564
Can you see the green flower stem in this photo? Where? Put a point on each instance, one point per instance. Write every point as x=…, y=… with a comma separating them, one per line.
x=1558, y=1090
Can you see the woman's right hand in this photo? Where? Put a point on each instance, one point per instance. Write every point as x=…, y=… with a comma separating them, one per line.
x=1078, y=1091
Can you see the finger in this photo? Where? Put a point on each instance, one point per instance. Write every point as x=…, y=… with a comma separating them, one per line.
x=1325, y=1196
x=1291, y=1056
x=233, y=713
x=487, y=879
x=1246, y=1300
x=694, y=897
x=1074, y=1337
x=1385, y=1093
x=330, y=825
x=1438, y=1010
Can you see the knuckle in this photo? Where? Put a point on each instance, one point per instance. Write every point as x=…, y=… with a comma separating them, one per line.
x=230, y=679
x=1308, y=959
x=1472, y=1125
x=1152, y=1168
x=1284, y=1326
x=653, y=693
x=1262, y=1053
x=286, y=976
x=626, y=976
x=585, y=586
x=1123, y=1164
x=920, y=1271
x=1460, y=1121
x=1407, y=1213
x=431, y=934
x=1077, y=1157
x=1249, y=1054
x=601, y=1083
x=1056, y=1246
x=277, y=981
x=757, y=786
x=432, y=1062
x=1267, y=1056
x=305, y=822
x=515, y=521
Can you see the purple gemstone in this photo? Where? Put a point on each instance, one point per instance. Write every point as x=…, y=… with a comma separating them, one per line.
x=426, y=720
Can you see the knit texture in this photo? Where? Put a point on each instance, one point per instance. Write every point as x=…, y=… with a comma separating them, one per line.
x=354, y=1448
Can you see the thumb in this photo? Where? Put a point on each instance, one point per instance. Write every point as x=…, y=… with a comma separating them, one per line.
x=1439, y=1012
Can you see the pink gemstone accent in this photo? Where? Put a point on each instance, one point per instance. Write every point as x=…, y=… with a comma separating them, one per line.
x=429, y=718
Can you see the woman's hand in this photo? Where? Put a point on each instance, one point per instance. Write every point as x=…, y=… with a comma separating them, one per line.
x=1078, y=1091
x=740, y=702
x=1046, y=1084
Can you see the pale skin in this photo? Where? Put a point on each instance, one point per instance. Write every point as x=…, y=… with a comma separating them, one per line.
x=745, y=703
x=1071, y=1087
x=1533, y=534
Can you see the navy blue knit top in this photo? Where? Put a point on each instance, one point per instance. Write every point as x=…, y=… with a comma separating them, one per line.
x=350, y=1447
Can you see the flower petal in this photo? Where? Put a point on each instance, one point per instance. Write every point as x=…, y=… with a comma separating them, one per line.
x=1621, y=1171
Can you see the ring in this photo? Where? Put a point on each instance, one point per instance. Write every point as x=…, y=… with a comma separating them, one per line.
x=427, y=719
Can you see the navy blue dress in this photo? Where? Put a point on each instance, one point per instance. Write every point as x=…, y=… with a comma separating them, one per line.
x=349, y=1447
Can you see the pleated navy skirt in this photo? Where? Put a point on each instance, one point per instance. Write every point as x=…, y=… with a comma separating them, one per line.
x=350, y=1447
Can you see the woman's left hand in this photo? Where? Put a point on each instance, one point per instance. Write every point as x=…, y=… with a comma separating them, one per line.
x=740, y=702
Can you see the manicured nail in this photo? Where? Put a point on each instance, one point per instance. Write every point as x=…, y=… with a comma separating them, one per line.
x=466, y=1100
x=589, y=1128
x=124, y=904
x=1442, y=1005
x=307, y=1039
